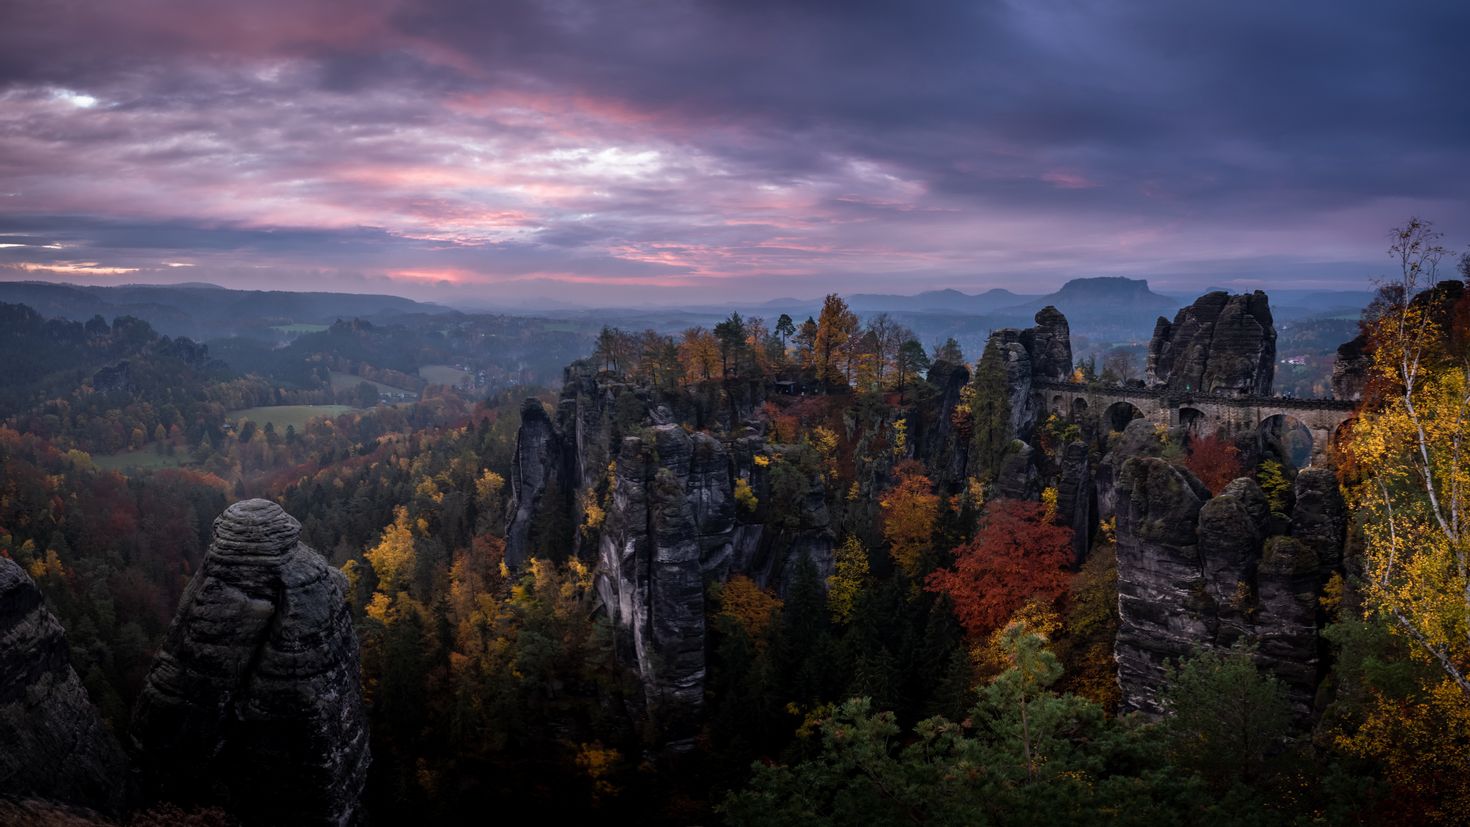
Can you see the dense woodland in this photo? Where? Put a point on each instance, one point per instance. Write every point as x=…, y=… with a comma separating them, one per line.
x=956, y=667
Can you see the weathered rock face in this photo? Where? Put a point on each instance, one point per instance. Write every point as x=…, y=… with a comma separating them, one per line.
x=1137, y=440
x=1158, y=576
x=945, y=452
x=1050, y=345
x=536, y=480
x=53, y=743
x=1077, y=498
x=671, y=525
x=650, y=576
x=254, y=701
x=1040, y=353
x=1221, y=344
x=1350, y=369
x=1020, y=377
x=1196, y=572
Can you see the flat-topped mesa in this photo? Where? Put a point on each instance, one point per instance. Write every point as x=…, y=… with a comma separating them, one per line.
x=254, y=702
x=1220, y=345
x=53, y=743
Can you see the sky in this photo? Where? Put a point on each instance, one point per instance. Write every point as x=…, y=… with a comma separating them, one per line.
x=611, y=152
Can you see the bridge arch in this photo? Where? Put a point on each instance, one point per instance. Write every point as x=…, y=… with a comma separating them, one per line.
x=1193, y=422
x=1079, y=408
x=1289, y=439
x=1119, y=414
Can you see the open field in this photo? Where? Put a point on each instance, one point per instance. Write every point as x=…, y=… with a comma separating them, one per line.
x=143, y=459
x=283, y=415
x=348, y=381
x=443, y=374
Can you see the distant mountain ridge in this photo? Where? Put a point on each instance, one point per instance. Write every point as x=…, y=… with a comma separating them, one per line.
x=204, y=311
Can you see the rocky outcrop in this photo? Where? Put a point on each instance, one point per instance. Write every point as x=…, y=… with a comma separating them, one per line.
x=254, y=701
x=946, y=451
x=1020, y=376
x=1319, y=516
x=53, y=743
x=671, y=521
x=1221, y=344
x=1040, y=353
x=1196, y=572
x=1077, y=498
x=1159, y=582
x=1350, y=369
x=1050, y=345
x=650, y=577
x=1138, y=439
x=536, y=481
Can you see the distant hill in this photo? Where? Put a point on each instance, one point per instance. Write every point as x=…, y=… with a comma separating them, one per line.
x=937, y=301
x=1105, y=308
x=204, y=311
x=1104, y=295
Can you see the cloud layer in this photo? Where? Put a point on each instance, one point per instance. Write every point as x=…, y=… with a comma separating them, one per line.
x=608, y=151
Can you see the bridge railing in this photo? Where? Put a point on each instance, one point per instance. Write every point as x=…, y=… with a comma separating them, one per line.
x=1179, y=399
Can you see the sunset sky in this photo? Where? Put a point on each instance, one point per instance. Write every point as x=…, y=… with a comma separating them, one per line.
x=601, y=151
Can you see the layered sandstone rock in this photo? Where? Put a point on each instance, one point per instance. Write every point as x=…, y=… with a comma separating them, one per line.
x=536, y=481
x=254, y=701
x=671, y=520
x=1196, y=572
x=1050, y=345
x=1160, y=600
x=53, y=743
x=1221, y=344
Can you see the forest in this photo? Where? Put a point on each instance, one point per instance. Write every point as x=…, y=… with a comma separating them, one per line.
x=924, y=632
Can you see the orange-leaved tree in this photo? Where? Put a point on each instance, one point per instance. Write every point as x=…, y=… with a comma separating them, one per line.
x=1215, y=461
x=1016, y=557
x=910, y=510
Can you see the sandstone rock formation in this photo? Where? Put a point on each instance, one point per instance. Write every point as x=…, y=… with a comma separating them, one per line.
x=1138, y=439
x=947, y=453
x=1350, y=369
x=1077, y=498
x=1040, y=353
x=1158, y=576
x=536, y=482
x=1199, y=572
x=53, y=743
x=671, y=520
x=1050, y=345
x=254, y=701
x=1221, y=344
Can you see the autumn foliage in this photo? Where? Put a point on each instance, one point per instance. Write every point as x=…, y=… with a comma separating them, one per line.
x=1016, y=557
x=1215, y=461
x=910, y=509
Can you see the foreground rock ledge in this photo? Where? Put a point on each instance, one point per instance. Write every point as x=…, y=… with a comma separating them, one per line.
x=254, y=702
x=53, y=744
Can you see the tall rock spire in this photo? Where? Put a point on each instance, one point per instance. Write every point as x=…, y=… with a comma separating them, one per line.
x=254, y=702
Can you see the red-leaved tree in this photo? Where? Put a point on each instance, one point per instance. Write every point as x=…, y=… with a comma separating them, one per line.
x=1215, y=461
x=1016, y=556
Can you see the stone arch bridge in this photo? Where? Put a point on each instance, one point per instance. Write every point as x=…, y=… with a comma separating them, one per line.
x=1113, y=406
